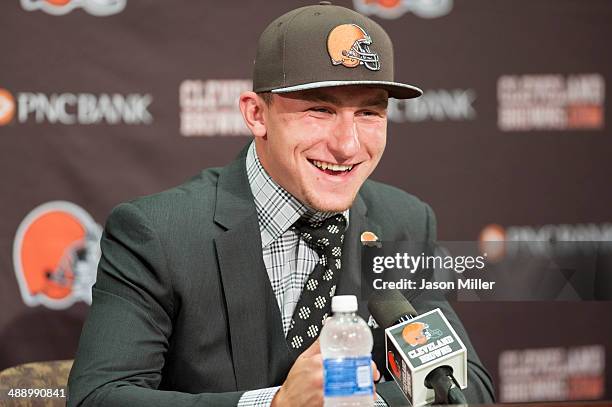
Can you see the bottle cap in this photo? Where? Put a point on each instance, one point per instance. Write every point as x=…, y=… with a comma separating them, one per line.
x=344, y=303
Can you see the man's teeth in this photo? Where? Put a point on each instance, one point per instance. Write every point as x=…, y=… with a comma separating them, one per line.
x=329, y=166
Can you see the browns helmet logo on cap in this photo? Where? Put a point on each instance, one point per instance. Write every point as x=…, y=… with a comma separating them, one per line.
x=348, y=45
x=55, y=255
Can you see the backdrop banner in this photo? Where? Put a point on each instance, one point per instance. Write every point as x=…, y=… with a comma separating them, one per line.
x=105, y=101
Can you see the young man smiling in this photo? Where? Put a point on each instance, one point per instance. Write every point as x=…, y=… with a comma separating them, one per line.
x=320, y=145
x=215, y=292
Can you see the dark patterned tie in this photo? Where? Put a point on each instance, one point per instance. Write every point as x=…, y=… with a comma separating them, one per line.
x=326, y=238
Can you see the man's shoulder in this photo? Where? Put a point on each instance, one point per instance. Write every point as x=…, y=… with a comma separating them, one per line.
x=380, y=197
x=195, y=191
x=395, y=209
x=189, y=202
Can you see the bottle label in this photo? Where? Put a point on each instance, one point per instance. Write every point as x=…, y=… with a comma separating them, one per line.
x=347, y=377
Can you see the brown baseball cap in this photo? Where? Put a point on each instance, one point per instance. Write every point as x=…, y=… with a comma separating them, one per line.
x=325, y=45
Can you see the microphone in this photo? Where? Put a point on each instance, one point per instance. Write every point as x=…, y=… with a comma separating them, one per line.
x=425, y=356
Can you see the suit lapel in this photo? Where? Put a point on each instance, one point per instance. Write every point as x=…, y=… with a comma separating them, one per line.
x=351, y=276
x=254, y=319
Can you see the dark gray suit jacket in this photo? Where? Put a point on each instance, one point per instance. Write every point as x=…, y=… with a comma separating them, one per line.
x=183, y=311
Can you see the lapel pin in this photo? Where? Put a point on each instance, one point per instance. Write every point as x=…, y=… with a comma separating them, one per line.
x=370, y=239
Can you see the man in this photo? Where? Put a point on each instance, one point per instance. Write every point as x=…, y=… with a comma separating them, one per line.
x=213, y=292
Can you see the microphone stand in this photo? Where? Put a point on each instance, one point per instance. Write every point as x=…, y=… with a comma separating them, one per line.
x=441, y=380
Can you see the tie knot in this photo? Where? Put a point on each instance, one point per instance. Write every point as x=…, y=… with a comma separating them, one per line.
x=322, y=235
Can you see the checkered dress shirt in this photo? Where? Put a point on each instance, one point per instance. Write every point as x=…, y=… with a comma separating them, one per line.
x=288, y=259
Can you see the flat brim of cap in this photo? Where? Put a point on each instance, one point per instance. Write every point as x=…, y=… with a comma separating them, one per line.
x=396, y=90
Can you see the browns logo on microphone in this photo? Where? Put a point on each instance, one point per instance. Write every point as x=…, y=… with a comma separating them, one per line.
x=418, y=333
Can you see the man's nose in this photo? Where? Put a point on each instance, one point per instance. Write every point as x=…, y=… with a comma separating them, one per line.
x=345, y=143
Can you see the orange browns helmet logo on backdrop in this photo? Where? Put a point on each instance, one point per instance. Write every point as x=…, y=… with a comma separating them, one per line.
x=348, y=45
x=60, y=7
x=396, y=8
x=7, y=107
x=492, y=242
x=55, y=255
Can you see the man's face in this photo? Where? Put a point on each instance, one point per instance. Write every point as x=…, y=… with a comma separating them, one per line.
x=322, y=144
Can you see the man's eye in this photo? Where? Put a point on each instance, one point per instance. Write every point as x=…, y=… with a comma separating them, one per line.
x=369, y=113
x=320, y=110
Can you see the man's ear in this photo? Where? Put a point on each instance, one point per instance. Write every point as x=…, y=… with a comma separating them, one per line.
x=252, y=108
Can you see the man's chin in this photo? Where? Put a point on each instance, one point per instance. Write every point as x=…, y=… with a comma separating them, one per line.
x=320, y=204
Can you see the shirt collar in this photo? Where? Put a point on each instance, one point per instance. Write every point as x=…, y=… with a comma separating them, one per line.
x=276, y=208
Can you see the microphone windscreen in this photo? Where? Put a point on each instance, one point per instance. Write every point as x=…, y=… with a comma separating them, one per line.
x=389, y=306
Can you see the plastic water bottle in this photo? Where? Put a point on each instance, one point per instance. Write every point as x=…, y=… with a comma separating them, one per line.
x=346, y=347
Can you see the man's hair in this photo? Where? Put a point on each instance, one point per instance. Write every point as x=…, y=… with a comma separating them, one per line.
x=266, y=96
